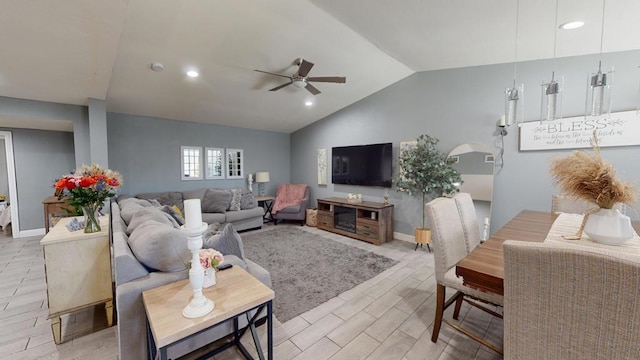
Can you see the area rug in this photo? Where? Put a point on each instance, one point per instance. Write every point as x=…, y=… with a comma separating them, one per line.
x=308, y=269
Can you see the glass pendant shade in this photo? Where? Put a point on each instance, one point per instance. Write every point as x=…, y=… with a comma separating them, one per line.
x=551, y=103
x=513, y=109
x=598, y=100
x=599, y=93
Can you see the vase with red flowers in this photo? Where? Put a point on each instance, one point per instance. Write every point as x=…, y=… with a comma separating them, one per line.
x=87, y=188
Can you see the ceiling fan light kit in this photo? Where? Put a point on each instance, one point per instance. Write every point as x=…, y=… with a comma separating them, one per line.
x=301, y=79
x=300, y=83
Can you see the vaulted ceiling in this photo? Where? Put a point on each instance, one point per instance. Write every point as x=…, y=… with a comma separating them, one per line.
x=69, y=51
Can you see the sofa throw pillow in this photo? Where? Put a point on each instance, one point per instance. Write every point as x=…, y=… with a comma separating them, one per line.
x=227, y=241
x=212, y=229
x=155, y=203
x=216, y=201
x=174, y=212
x=160, y=247
x=236, y=197
x=144, y=215
x=247, y=200
x=131, y=206
x=177, y=209
x=164, y=198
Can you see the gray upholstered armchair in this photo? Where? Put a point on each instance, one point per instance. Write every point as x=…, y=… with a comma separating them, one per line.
x=291, y=203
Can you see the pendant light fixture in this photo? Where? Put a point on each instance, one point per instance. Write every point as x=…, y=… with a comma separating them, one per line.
x=599, y=84
x=551, y=102
x=514, y=95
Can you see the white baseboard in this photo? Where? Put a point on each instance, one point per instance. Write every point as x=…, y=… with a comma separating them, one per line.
x=32, y=232
x=404, y=237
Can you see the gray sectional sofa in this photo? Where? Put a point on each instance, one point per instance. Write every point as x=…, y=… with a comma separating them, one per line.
x=216, y=205
x=149, y=251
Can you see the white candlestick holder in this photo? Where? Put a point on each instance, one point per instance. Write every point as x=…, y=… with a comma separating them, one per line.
x=200, y=305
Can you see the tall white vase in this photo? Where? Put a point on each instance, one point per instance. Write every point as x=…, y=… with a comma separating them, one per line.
x=609, y=226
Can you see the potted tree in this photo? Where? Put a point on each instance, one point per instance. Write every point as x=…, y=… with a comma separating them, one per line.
x=426, y=171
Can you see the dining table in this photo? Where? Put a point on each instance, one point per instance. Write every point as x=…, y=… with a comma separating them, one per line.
x=483, y=268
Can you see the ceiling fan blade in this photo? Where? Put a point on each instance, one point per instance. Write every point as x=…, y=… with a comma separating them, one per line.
x=312, y=89
x=305, y=67
x=281, y=86
x=270, y=73
x=331, y=79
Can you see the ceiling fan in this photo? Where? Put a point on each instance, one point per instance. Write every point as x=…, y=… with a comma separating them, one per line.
x=301, y=80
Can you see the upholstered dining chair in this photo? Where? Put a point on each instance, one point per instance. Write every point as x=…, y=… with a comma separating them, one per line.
x=568, y=204
x=449, y=247
x=569, y=301
x=467, y=212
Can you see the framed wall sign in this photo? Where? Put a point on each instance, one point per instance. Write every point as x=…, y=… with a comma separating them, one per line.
x=616, y=129
x=322, y=167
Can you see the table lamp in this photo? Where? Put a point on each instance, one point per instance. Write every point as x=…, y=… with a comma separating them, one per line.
x=262, y=177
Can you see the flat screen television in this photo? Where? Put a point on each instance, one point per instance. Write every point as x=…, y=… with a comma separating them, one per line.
x=365, y=165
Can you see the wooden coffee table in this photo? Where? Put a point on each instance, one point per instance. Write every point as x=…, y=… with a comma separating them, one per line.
x=235, y=294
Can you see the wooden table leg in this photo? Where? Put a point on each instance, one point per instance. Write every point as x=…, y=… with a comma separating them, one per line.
x=56, y=328
x=46, y=219
x=108, y=306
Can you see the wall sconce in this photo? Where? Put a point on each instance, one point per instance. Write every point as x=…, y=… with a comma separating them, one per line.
x=502, y=132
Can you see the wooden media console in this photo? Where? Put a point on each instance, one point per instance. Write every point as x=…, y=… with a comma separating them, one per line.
x=368, y=221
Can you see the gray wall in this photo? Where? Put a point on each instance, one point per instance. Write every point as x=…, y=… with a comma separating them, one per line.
x=98, y=132
x=41, y=157
x=41, y=110
x=460, y=106
x=146, y=151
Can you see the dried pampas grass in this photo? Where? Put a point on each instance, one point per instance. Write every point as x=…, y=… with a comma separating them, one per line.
x=588, y=177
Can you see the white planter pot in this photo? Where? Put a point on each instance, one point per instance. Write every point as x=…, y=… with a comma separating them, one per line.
x=609, y=226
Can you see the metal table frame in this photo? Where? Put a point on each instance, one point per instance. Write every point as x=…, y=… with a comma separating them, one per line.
x=152, y=351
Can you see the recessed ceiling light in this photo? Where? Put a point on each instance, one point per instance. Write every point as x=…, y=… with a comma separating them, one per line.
x=309, y=103
x=192, y=73
x=572, y=25
x=157, y=67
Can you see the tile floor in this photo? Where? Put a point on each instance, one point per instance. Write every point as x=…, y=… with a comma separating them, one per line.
x=387, y=317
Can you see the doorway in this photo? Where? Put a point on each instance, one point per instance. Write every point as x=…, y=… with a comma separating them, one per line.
x=11, y=180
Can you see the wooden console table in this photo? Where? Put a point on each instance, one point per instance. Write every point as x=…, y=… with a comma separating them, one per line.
x=373, y=222
x=78, y=271
x=52, y=207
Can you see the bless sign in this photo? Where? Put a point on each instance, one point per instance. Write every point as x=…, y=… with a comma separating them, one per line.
x=617, y=129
